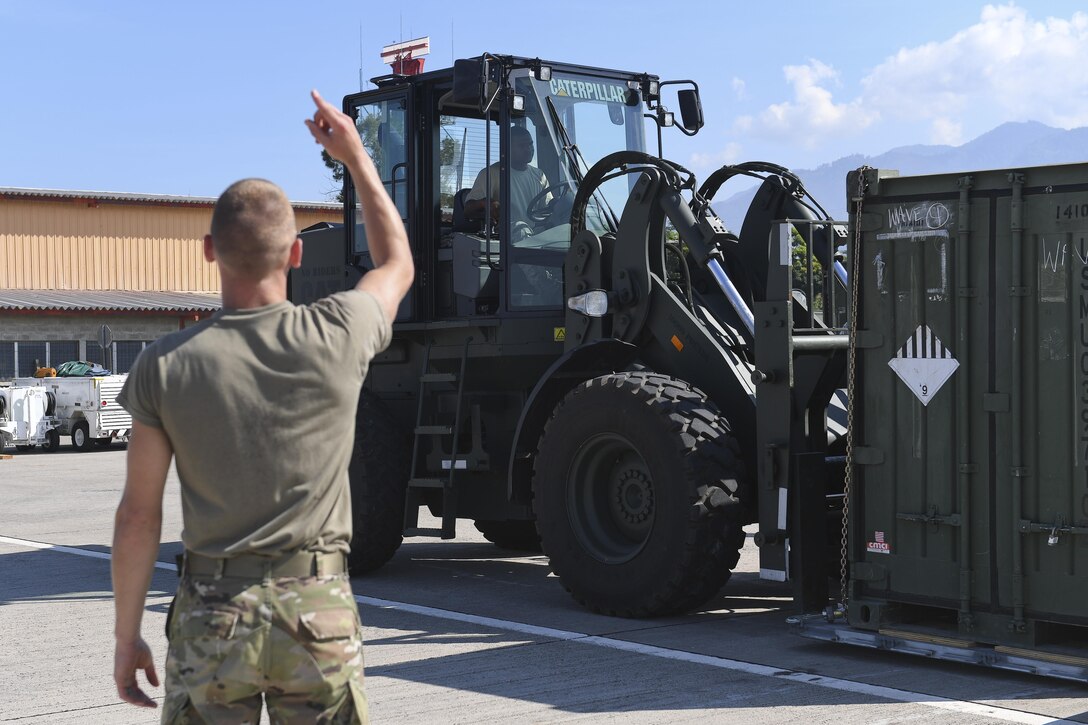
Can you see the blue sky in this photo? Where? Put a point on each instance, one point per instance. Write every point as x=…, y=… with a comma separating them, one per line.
x=184, y=98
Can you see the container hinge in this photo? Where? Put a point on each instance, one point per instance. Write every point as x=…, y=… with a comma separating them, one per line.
x=1018, y=291
x=868, y=456
x=968, y=468
x=931, y=517
x=967, y=292
x=1019, y=472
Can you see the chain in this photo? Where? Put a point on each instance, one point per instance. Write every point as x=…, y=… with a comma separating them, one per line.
x=855, y=278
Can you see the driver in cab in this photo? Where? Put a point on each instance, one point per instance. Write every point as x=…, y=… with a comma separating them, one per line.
x=526, y=183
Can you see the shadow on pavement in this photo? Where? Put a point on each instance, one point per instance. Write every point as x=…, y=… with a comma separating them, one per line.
x=47, y=576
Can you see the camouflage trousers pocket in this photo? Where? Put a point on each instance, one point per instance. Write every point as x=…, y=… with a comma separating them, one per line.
x=331, y=639
x=214, y=658
x=208, y=624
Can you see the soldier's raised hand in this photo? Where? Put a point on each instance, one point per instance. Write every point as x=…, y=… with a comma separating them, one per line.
x=335, y=130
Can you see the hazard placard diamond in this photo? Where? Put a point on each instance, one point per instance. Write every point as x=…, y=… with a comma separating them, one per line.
x=924, y=364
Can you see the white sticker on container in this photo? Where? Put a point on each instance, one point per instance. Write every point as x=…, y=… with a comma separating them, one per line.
x=924, y=364
x=878, y=545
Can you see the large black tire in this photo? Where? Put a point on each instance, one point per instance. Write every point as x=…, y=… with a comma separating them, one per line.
x=379, y=470
x=515, y=535
x=52, y=441
x=81, y=436
x=637, y=489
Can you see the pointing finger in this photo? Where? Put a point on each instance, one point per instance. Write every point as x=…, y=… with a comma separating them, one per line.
x=320, y=102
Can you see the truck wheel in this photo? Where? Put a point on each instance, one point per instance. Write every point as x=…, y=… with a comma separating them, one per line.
x=52, y=441
x=81, y=436
x=379, y=470
x=637, y=489
x=515, y=535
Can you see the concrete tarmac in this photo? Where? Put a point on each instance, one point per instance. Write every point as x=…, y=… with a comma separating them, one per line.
x=463, y=632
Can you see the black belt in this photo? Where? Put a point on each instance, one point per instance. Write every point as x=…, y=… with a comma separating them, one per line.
x=253, y=566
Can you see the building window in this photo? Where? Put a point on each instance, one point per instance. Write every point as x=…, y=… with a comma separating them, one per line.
x=124, y=354
x=62, y=352
x=7, y=360
x=22, y=359
x=30, y=357
x=95, y=354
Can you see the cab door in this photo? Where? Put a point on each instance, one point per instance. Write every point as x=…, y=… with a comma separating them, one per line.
x=382, y=119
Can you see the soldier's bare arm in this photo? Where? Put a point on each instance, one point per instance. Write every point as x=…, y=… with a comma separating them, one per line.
x=137, y=528
x=388, y=242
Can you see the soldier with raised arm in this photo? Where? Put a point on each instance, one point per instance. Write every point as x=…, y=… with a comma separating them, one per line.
x=256, y=407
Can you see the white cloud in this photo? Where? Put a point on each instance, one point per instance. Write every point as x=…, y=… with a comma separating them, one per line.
x=740, y=89
x=812, y=115
x=729, y=154
x=946, y=131
x=1006, y=66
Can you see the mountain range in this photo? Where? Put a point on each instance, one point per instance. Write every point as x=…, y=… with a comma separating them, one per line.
x=1010, y=145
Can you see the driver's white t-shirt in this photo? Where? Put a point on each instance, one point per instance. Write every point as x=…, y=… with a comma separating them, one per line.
x=524, y=185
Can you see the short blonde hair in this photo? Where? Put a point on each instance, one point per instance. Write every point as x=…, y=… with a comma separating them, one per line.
x=253, y=227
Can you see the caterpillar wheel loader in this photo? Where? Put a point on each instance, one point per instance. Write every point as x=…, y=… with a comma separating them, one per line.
x=577, y=365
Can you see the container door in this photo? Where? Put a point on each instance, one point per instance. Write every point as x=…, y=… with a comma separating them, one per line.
x=972, y=392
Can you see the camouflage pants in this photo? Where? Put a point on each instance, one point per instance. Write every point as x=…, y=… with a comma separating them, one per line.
x=296, y=642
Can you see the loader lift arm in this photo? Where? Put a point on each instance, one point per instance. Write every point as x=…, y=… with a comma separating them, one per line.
x=788, y=443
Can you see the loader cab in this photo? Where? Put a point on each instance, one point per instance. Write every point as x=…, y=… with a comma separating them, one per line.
x=493, y=246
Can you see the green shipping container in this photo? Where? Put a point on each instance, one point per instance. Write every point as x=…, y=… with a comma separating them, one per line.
x=969, y=495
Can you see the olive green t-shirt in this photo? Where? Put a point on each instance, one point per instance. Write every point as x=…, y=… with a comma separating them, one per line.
x=259, y=406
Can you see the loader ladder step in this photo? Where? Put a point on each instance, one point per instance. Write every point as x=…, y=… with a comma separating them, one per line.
x=426, y=483
x=434, y=430
x=428, y=532
x=438, y=378
x=416, y=494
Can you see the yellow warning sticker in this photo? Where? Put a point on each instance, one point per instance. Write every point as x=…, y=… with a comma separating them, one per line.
x=559, y=334
x=677, y=343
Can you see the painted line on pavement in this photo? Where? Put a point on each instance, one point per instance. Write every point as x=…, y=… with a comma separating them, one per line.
x=802, y=678
x=71, y=550
x=805, y=678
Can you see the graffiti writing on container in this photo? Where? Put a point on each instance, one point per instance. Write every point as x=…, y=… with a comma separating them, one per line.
x=1054, y=259
x=925, y=219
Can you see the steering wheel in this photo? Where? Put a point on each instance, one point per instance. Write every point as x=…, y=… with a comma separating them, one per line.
x=539, y=210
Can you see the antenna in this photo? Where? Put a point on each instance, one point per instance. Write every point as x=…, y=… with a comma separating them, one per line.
x=360, y=57
x=406, y=58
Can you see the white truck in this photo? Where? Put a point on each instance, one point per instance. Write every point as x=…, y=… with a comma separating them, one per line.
x=26, y=418
x=87, y=408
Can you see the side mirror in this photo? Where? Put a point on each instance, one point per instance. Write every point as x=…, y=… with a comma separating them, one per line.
x=691, y=109
x=468, y=82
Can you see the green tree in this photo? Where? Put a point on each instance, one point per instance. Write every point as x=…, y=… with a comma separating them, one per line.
x=448, y=152
x=799, y=260
x=337, y=170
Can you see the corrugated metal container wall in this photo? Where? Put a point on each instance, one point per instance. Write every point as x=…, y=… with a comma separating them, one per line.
x=971, y=493
x=71, y=244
